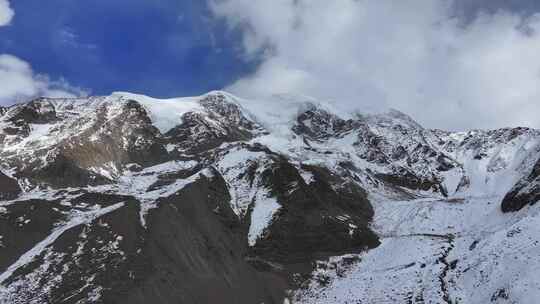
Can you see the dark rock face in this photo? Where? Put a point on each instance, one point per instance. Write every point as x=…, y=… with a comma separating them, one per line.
x=112, y=246
x=196, y=135
x=197, y=255
x=9, y=188
x=39, y=111
x=24, y=224
x=411, y=181
x=189, y=252
x=127, y=138
x=145, y=138
x=63, y=172
x=318, y=124
x=97, y=255
x=525, y=192
x=329, y=216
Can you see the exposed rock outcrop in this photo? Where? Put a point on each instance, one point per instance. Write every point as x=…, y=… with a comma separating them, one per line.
x=525, y=192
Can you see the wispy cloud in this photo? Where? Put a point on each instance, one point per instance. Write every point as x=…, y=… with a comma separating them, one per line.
x=68, y=37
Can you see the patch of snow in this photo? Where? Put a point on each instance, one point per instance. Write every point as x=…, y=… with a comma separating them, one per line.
x=263, y=212
x=231, y=166
x=170, y=147
x=307, y=176
x=164, y=113
x=137, y=184
x=281, y=116
x=452, y=179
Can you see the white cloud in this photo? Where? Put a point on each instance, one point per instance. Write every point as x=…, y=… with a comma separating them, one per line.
x=18, y=82
x=408, y=55
x=6, y=13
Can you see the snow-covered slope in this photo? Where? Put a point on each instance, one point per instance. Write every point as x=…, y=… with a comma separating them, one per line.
x=290, y=197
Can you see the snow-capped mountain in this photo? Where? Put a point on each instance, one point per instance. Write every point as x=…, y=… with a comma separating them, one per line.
x=218, y=199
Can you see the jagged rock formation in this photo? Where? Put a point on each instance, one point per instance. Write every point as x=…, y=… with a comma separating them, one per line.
x=129, y=199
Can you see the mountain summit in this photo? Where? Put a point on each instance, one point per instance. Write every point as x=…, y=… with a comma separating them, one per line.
x=218, y=199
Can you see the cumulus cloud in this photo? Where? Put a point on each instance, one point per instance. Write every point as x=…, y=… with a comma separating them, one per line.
x=18, y=82
x=6, y=13
x=409, y=55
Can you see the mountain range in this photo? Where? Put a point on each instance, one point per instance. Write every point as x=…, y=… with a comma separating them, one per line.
x=218, y=199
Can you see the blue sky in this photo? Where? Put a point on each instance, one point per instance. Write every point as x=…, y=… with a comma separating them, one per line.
x=162, y=48
x=453, y=64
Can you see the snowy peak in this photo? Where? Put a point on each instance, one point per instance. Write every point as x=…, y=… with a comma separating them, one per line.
x=219, y=121
x=318, y=124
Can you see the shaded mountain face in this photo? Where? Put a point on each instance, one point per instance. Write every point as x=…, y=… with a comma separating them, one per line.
x=9, y=187
x=525, y=192
x=129, y=199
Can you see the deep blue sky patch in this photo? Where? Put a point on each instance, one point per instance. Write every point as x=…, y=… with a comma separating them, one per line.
x=160, y=48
